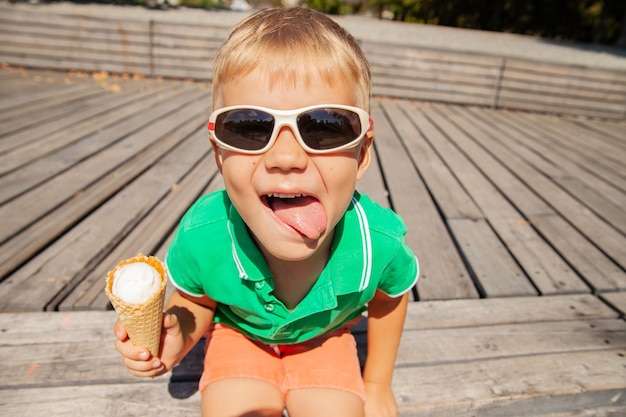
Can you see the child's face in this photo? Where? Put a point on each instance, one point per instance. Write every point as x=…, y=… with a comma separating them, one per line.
x=291, y=229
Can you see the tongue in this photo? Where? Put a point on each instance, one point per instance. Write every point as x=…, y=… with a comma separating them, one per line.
x=304, y=214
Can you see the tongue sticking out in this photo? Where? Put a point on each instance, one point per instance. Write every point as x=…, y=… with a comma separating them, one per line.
x=304, y=214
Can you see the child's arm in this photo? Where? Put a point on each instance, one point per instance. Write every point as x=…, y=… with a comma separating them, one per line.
x=186, y=321
x=384, y=328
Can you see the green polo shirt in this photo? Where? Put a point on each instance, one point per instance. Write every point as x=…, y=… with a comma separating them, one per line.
x=212, y=253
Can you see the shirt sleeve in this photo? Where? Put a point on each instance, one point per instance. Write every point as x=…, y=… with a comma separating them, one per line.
x=401, y=273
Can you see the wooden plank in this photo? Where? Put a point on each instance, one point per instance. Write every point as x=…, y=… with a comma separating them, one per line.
x=598, y=271
x=617, y=300
x=566, y=82
x=428, y=84
x=495, y=270
x=560, y=102
x=581, y=151
x=22, y=211
x=496, y=275
x=591, y=159
x=447, y=314
x=200, y=73
x=44, y=108
x=140, y=398
x=451, y=198
x=612, y=130
x=140, y=114
x=574, y=71
x=84, y=326
x=27, y=91
x=183, y=60
x=47, y=44
x=569, y=241
x=146, y=236
x=436, y=347
x=38, y=364
x=63, y=64
x=372, y=183
x=39, y=234
x=610, y=411
x=183, y=53
x=437, y=96
x=531, y=140
x=64, y=105
x=477, y=378
x=379, y=72
x=596, y=229
x=442, y=273
x=167, y=41
x=541, y=384
x=425, y=54
x=424, y=74
x=549, y=273
x=590, y=151
x=107, y=60
x=553, y=108
x=443, y=346
x=34, y=285
x=26, y=328
x=88, y=23
x=37, y=140
x=591, y=91
x=190, y=30
x=484, y=75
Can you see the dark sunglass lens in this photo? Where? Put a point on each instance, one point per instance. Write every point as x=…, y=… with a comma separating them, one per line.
x=244, y=129
x=325, y=129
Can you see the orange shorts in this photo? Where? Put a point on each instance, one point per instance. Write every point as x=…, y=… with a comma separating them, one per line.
x=328, y=361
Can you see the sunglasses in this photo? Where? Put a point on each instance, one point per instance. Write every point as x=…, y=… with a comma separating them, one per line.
x=318, y=129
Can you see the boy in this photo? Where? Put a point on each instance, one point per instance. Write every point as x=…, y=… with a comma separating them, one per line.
x=276, y=268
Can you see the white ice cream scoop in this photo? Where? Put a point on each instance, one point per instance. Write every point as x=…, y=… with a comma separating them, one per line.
x=136, y=282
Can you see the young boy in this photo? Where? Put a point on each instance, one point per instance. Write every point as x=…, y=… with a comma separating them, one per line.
x=276, y=268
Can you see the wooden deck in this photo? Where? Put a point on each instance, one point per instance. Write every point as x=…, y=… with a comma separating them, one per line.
x=518, y=220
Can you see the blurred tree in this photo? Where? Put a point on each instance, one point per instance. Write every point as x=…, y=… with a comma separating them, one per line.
x=600, y=21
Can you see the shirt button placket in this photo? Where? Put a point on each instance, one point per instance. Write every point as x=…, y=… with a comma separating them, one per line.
x=259, y=285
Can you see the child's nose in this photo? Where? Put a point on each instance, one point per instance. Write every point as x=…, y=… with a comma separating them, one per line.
x=286, y=153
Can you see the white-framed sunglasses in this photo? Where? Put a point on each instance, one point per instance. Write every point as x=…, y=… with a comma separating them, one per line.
x=319, y=129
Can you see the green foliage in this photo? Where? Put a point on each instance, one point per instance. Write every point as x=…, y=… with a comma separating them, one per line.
x=202, y=3
x=576, y=20
x=333, y=6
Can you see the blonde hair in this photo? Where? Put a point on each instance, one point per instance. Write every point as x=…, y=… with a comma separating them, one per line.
x=292, y=45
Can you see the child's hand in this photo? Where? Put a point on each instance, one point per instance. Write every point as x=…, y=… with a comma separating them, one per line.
x=138, y=359
x=380, y=401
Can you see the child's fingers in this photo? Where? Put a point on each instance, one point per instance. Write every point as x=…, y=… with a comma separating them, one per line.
x=138, y=359
x=127, y=349
x=119, y=330
x=149, y=368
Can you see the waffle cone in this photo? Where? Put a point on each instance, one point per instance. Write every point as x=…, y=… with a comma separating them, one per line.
x=143, y=322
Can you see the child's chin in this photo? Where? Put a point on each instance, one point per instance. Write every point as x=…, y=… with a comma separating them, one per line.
x=293, y=252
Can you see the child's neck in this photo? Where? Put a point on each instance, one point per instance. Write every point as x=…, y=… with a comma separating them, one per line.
x=294, y=279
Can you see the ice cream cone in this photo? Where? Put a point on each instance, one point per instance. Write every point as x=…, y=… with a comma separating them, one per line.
x=142, y=321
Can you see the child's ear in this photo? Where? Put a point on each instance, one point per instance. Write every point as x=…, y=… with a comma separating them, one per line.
x=365, y=155
x=219, y=160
